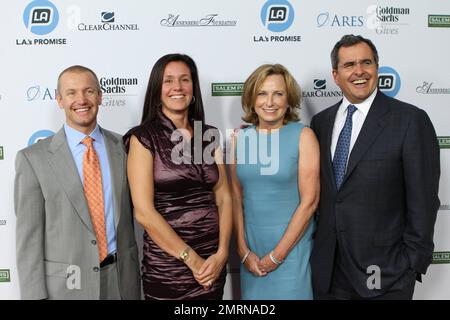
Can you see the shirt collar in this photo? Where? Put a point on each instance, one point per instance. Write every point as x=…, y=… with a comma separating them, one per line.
x=74, y=136
x=363, y=106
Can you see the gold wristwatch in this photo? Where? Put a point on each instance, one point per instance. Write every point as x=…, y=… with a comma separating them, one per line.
x=184, y=255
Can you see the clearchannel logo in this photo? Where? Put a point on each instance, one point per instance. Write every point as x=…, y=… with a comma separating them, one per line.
x=320, y=90
x=389, y=81
x=40, y=17
x=277, y=15
x=39, y=135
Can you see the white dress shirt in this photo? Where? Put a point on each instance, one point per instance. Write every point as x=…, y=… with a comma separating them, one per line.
x=358, y=120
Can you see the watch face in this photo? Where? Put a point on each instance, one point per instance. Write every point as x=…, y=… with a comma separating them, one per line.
x=184, y=255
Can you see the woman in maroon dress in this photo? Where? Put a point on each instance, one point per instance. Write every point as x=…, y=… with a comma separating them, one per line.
x=179, y=187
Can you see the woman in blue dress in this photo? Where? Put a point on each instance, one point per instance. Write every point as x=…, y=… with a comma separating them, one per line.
x=275, y=184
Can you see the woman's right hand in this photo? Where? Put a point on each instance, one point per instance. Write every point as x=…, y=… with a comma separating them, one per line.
x=251, y=263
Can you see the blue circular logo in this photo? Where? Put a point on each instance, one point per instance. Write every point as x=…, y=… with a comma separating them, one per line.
x=39, y=135
x=388, y=81
x=40, y=17
x=277, y=15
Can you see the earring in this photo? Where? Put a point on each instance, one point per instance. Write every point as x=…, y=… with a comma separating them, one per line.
x=193, y=100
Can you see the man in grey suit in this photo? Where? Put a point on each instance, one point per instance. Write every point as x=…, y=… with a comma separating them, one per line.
x=379, y=180
x=58, y=247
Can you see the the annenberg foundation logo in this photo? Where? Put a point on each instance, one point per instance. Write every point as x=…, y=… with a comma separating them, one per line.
x=5, y=275
x=438, y=21
x=40, y=17
x=444, y=142
x=2, y=222
x=444, y=207
x=333, y=20
x=389, y=81
x=441, y=257
x=227, y=89
x=1, y=153
x=208, y=20
x=277, y=16
x=116, y=90
x=40, y=93
x=387, y=20
x=320, y=90
x=107, y=19
x=39, y=135
x=429, y=88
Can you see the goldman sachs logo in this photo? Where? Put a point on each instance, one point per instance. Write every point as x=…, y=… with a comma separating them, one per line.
x=117, y=90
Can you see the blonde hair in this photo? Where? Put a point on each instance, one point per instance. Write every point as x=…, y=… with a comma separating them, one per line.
x=254, y=83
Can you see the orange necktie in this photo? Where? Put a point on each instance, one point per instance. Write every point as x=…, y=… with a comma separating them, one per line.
x=94, y=195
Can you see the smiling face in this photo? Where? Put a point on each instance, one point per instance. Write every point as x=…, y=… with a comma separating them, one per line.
x=177, y=88
x=271, y=102
x=357, y=72
x=79, y=96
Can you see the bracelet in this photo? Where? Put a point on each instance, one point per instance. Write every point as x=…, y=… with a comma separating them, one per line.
x=245, y=257
x=274, y=260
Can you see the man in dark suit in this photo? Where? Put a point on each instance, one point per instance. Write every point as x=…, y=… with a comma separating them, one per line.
x=380, y=173
x=64, y=250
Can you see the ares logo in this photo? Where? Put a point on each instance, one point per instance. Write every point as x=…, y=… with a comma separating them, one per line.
x=107, y=17
x=388, y=81
x=35, y=93
x=40, y=17
x=39, y=135
x=277, y=15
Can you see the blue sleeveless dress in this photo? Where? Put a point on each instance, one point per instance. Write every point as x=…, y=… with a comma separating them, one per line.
x=267, y=169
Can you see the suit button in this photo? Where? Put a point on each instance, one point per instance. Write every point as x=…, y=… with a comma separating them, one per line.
x=338, y=200
x=94, y=242
x=96, y=269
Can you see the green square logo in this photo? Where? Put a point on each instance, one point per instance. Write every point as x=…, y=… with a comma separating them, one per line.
x=441, y=257
x=1, y=153
x=444, y=142
x=4, y=275
x=227, y=89
x=438, y=21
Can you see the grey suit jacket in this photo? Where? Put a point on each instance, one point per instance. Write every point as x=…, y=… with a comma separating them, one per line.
x=55, y=240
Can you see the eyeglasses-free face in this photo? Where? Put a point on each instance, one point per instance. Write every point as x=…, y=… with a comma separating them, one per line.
x=357, y=72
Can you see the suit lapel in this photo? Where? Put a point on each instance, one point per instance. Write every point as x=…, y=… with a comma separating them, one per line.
x=66, y=174
x=115, y=157
x=372, y=127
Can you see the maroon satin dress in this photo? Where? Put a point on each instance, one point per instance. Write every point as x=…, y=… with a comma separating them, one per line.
x=183, y=195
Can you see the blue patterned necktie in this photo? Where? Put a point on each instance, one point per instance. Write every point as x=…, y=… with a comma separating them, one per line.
x=342, y=147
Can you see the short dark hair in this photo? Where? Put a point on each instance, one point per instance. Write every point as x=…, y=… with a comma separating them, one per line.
x=153, y=95
x=347, y=41
x=77, y=68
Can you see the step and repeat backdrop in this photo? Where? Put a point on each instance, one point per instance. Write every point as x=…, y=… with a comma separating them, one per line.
x=121, y=40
